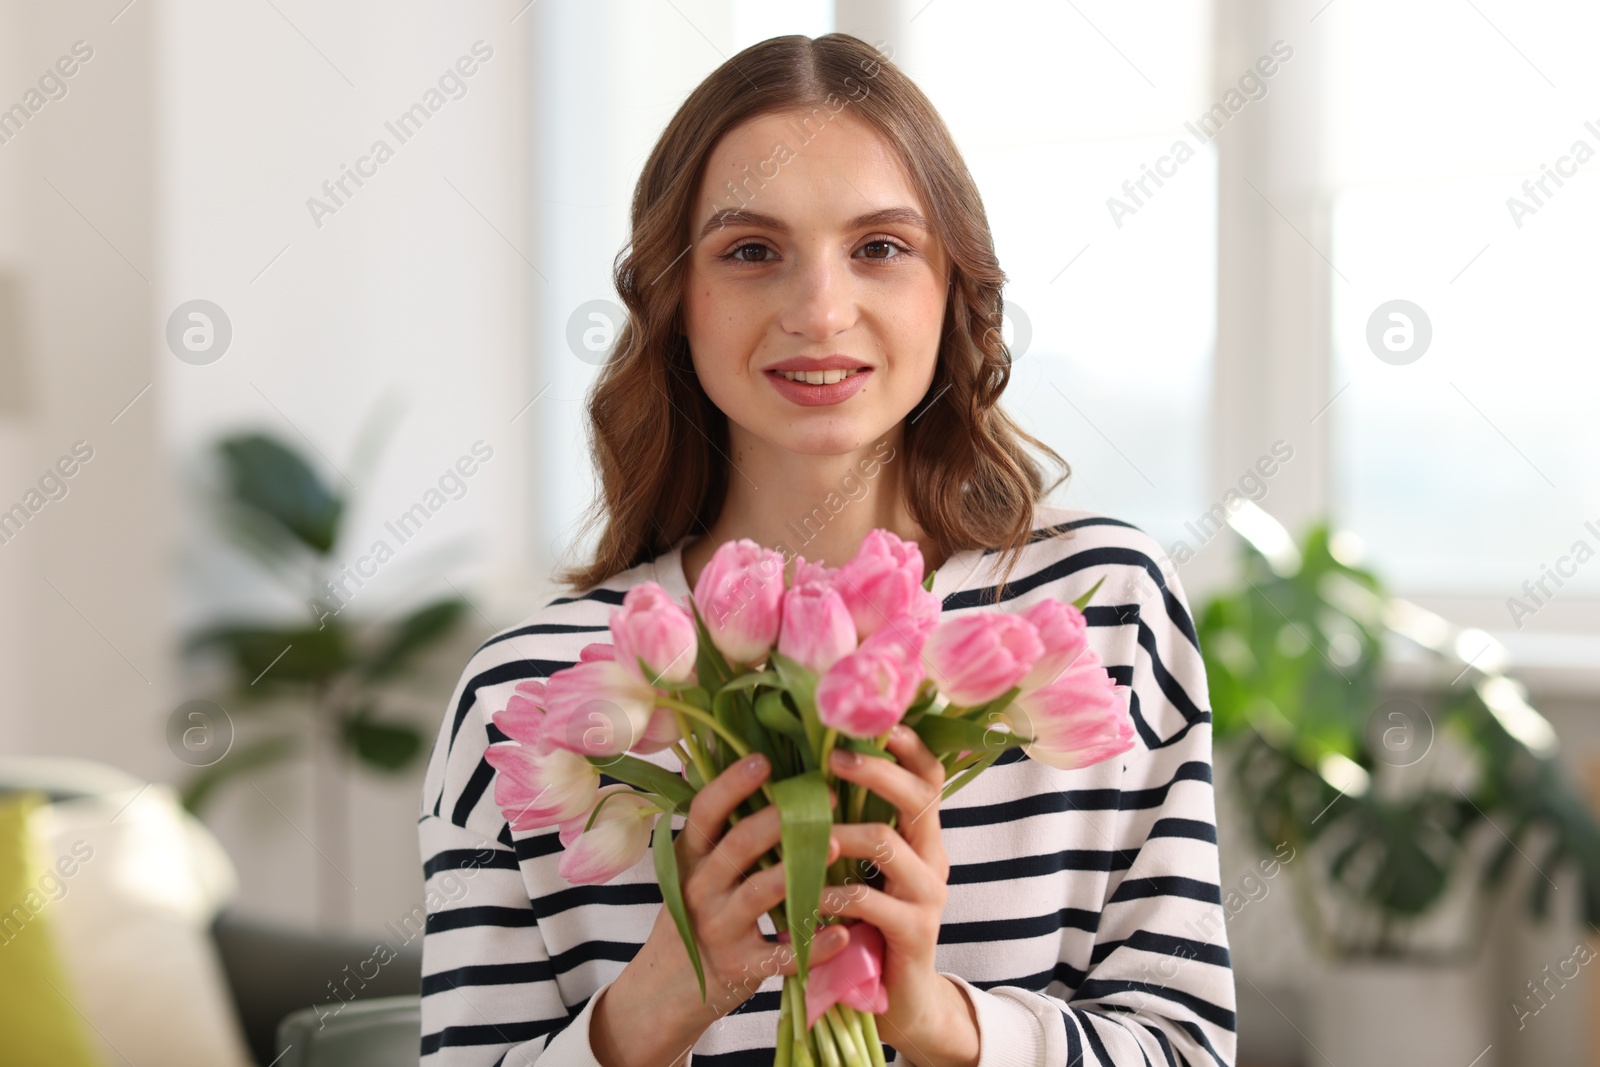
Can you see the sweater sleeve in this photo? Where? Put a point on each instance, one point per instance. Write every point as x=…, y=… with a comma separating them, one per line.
x=489, y=993
x=1160, y=986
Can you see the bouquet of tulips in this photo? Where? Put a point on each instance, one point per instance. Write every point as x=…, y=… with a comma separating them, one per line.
x=836, y=658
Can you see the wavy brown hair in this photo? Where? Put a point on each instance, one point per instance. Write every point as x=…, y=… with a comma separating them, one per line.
x=658, y=441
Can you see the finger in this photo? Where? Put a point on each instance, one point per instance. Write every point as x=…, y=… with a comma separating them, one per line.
x=914, y=796
x=900, y=921
x=921, y=826
x=709, y=811
x=750, y=839
x=909, y=875
x=915, y=756
x=829, y=942
x=740, y=847
x=754, y=896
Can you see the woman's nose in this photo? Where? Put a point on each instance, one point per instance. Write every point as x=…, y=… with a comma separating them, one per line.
x=820, y=300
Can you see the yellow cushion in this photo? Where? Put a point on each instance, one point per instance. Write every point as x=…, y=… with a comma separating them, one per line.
x=36, y=1014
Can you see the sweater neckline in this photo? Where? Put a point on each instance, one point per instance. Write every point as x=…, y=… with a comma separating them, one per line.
x=667, y=571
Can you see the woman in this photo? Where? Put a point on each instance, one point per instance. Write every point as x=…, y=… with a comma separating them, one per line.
x=812, y=352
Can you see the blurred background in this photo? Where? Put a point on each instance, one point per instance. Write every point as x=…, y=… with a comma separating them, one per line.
x=299, y=304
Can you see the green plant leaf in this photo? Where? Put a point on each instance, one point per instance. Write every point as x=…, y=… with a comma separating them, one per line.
x=806, y=814
x=269, y=477
x=421, y=628
x=927, y=582
x=647, y=776
x=672, y=892
x=711, y=668
x=387, y=746
x=801, y=684
x=753, y=679
x=775, y=715
x=1083, y=601
x=944, y=734
x=588, y=823
x=270, y=656
x=253, y=756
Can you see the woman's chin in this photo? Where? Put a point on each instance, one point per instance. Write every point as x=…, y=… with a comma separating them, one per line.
x=838, y=438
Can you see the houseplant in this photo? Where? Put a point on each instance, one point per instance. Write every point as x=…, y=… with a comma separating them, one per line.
x=323, y=686
x=1411, y=814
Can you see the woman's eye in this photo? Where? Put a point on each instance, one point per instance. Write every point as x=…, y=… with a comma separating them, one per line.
x=757, y=253
x=882, y=249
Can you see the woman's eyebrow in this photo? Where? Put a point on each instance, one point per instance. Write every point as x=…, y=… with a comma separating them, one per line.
x=734, y=216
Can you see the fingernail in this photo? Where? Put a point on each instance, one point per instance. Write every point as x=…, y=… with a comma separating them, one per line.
x=754, y=765
x=845, y=758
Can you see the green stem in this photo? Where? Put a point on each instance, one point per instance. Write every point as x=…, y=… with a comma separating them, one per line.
x=785, y=1050
x=869, y=1030
x=828, y=740
x=806, y=1041
x=707, y=772
x=827, y=1044
x=696, y=754
x=706, y=717
x=858, y=798
x=969, y=774
x=849, y=1031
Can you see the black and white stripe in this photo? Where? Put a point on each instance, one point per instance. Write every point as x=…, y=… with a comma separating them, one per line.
x=1083, y=916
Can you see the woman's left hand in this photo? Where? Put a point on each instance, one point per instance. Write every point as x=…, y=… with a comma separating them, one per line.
x=930, y=1021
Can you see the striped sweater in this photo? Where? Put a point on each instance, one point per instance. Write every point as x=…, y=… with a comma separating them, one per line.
x=1083, y=916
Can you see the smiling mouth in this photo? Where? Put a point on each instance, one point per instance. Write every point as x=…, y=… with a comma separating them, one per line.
x=817, y=377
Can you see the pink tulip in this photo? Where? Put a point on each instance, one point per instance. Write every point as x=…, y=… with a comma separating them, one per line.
x=596, y=650
x=817, y=630
x=739, y=596
x=883, y=581
x=541, y=785
x=868, y=691
x=600, y=708
x=522, y=719
x=653, y=627
x=853, y=977
x=1062, y=629
x=1079, y=719
x=974, y=658
x=536, y=784
x=617, y=841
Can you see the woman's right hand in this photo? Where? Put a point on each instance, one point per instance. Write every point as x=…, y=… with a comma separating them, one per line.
x=652, y=1015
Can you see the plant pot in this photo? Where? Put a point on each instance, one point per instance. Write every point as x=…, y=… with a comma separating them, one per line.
x=1369, y=1012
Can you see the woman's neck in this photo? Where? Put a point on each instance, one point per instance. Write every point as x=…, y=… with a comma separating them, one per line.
x=819, y=507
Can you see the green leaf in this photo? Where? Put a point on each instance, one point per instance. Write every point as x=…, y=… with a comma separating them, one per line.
x=594, y=811
x=276, y=482
x=257, y=754
x=801, y=684
x=866, y=746
x=711, y=668
x=987, y=711
x=267, y=656
x=969, y=774
x=927, y=583
x=806, y=815
x=1083, y=601
x=421, y=628
x=672, y=892
x=384, y=745
x=944, y=734
x=775, y=715
x=647, y=776
x=753, y=679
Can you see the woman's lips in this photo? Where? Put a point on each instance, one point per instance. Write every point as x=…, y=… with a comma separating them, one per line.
x=814, y=395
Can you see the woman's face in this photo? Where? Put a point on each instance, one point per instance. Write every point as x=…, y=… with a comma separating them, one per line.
x=818, y=252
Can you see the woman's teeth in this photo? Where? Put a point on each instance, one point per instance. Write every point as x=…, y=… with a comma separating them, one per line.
x=818, y=377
